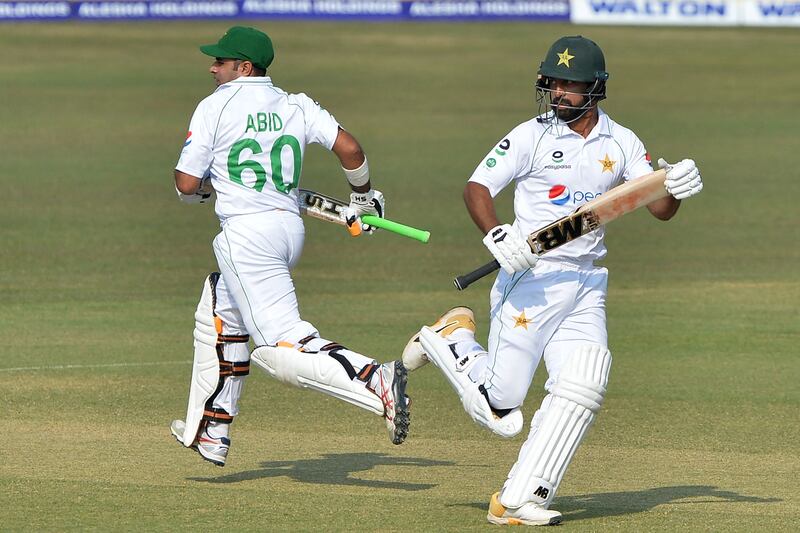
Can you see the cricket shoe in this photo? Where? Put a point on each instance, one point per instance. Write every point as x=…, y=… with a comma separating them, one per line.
x=530, y=514
x=414, y=355
x=212, y=449
x=389, y=384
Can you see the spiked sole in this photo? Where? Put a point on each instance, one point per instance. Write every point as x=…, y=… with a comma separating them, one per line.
x=402, y=414
x=413, y=349
x=509, y=521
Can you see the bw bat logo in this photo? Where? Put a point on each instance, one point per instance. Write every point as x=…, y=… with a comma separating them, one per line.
x=562, y=232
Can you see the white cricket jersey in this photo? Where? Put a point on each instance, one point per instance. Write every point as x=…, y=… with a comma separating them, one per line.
x=556, y=170
x=249, y=137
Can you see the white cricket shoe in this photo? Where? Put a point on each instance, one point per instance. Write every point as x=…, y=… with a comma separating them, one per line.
x=530, y=514
x=212, y=449
x=414, y=355
x=389, y=384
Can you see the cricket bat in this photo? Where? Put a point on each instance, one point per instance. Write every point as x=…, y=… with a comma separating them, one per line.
x=590, y=216
x=330, y=209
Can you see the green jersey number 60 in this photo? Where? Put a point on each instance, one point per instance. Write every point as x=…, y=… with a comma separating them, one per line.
x=236, y=167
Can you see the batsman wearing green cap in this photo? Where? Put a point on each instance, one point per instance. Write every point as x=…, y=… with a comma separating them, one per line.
x=246, y=144
x=550, y=307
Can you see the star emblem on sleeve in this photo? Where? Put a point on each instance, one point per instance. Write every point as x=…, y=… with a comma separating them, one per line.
x=521, y=321
x=564, y=57
x=607, y=163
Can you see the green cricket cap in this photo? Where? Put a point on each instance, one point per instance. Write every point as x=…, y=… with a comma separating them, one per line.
x=240, y=42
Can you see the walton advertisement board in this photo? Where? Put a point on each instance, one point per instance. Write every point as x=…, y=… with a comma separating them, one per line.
x=655, y=12
x=687, y=12
x=769, y=13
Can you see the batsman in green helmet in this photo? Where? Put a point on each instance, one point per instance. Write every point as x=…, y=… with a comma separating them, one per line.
x=548, y=307
x=572, y=80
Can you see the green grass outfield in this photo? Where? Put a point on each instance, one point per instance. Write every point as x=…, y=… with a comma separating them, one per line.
x=101, y=267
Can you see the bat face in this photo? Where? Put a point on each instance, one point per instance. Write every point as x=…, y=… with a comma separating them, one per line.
x=562, y=231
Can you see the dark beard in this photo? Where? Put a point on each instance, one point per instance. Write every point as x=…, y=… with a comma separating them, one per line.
x=567, y=114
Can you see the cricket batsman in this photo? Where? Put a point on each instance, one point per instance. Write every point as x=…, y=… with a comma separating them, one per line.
x=246, y=144
x=551, y=307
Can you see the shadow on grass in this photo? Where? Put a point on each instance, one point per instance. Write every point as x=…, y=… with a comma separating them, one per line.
x=333, y=469
x=638, y=501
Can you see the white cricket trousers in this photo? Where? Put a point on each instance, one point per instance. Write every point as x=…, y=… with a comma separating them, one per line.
x=256, y=294
x=548, y=311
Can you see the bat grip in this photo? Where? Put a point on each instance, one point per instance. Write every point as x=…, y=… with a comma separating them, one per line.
x=462, y=282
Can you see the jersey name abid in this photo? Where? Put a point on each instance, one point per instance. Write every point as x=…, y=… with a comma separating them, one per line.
x=264, y=122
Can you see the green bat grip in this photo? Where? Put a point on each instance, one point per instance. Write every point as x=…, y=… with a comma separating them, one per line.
x=396, y=227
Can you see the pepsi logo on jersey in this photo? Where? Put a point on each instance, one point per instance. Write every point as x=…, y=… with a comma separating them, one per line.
x=560, y=195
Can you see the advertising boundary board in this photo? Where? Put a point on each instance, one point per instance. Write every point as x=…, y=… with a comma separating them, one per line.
x=396, y=10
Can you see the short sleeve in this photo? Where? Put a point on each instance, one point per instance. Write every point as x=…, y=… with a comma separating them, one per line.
x=639, y=162
x=508, y=160
x=197, y=153
x=321, y=127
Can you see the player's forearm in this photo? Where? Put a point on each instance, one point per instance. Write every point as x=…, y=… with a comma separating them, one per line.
x=480, y=206
x=186, y=183
x=664, y=208
x=353, y=160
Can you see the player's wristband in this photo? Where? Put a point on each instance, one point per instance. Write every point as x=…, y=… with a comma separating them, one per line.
x=358, y=176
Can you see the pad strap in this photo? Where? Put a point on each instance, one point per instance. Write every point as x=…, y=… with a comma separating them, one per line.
x=232, y=338
x=227, y=368
x=213, y=414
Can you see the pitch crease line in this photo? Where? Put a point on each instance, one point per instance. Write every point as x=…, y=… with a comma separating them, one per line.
x=99, y=365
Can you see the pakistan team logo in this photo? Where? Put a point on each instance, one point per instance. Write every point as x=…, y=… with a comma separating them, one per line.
x=491, y=162
x=558, y=156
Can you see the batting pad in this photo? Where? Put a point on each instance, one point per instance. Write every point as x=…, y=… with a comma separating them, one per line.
x=205, y=370
x=574, y=402
x=316, y=371
x=456, y=371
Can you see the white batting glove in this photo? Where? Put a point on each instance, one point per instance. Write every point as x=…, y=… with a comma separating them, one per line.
x=510, y=250
x=683, y=178
x=205, y=193
x=365, y=203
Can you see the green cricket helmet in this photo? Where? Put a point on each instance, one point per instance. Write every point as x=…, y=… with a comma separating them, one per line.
x=574, y=58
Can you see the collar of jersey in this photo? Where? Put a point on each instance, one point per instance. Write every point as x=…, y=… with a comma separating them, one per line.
x=601, y=128
x=250, y=80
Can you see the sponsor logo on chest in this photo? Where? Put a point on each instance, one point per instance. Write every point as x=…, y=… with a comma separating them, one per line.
x=557, y=158
x=562, y=195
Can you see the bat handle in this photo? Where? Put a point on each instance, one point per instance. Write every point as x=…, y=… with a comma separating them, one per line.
x=462, y=282
x=353, y=226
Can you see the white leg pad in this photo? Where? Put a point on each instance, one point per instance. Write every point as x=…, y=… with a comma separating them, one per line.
x=205, y=370
x=317, y=372
x=562, y=423
x=456, y=371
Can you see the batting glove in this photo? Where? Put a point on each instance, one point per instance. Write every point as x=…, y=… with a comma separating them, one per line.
x=510, y=250
x=683, y=178
x=365, y=203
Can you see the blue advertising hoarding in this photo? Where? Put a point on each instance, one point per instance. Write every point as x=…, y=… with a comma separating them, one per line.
x=543, y=10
